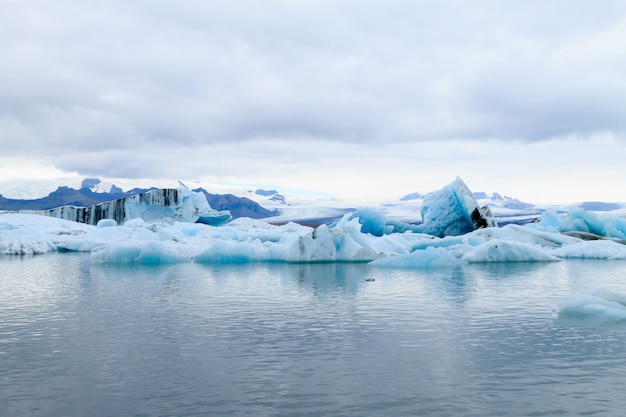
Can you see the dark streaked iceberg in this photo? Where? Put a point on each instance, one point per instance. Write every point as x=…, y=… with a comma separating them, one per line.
x=165, y=204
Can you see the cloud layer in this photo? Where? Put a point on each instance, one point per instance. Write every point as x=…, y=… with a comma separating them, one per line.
x=109, y=87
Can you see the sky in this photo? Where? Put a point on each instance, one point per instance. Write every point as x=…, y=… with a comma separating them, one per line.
x=345, y=98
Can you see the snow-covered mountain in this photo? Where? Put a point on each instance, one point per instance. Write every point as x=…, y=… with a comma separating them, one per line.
x=29, y=189
x=267, y=197
x=495, y=199
x=97, y=186
x=93, y=191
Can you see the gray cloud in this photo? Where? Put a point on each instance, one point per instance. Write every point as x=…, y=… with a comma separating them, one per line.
x=102, y=78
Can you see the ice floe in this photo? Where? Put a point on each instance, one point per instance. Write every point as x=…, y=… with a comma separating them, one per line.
x=455, y=230
x=248, y=240
x=598, y=304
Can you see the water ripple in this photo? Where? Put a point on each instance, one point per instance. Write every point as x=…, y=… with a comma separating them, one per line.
x=301, y=340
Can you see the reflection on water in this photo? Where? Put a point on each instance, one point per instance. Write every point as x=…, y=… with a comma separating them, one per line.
x=81, y=339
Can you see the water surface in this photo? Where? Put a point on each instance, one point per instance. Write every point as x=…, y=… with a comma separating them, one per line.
x=78, y=339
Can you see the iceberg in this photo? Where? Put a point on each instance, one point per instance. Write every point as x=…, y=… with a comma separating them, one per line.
x=451, y=211
x=595, y=249
x=146, y=252
x=178, y=225
x=454, y=211
x=422, y=258
x=598, y=304
x=165, y=204
x=581, y=223
x=30, y=234
x=500, y=250
x=250, y=240
x=374, y=222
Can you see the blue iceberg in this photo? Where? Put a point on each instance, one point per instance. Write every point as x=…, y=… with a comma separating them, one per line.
x=453, y=211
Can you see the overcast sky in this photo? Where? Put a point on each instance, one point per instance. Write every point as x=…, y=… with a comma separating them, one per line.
x=350, y=98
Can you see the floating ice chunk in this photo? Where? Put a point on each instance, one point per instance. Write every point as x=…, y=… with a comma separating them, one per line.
x=151, y=252
x=597, y=305
x=170, y=234
x=155, y=252
x=246, y=240
x=579, y=220
x=132, y=232
x=28, y=234
x=324, y=245
x=499, y=250
x=454, y=211
x=232, y=252
x=106, y=223
x=115, y=253
x=288, y=243
x=372, y=221
x=24, y=244
x=135, y=222
x=549, y=220
x=319, y=245
x=595, y=249
x=215, y=218
x=425, y=258
x=528, y=235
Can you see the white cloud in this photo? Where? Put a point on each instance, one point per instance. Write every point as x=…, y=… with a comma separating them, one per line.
x=146, y=89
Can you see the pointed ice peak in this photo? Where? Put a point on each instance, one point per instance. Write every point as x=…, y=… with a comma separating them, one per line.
x=454, y=211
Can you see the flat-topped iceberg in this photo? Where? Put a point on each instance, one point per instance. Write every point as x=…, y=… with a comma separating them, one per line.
x=165, y=205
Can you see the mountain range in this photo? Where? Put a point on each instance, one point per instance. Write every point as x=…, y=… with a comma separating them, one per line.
x=86, y=196
x=484, y=198
x=261, y=204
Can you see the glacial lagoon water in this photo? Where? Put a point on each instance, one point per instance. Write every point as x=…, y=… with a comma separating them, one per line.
x=83, y=339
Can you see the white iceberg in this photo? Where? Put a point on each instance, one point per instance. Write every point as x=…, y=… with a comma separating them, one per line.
x=598, y=304
x=422, y=258
x=499, y=250
x=596, y=249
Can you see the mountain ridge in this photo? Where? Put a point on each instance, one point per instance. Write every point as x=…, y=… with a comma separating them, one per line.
x=86, y=196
